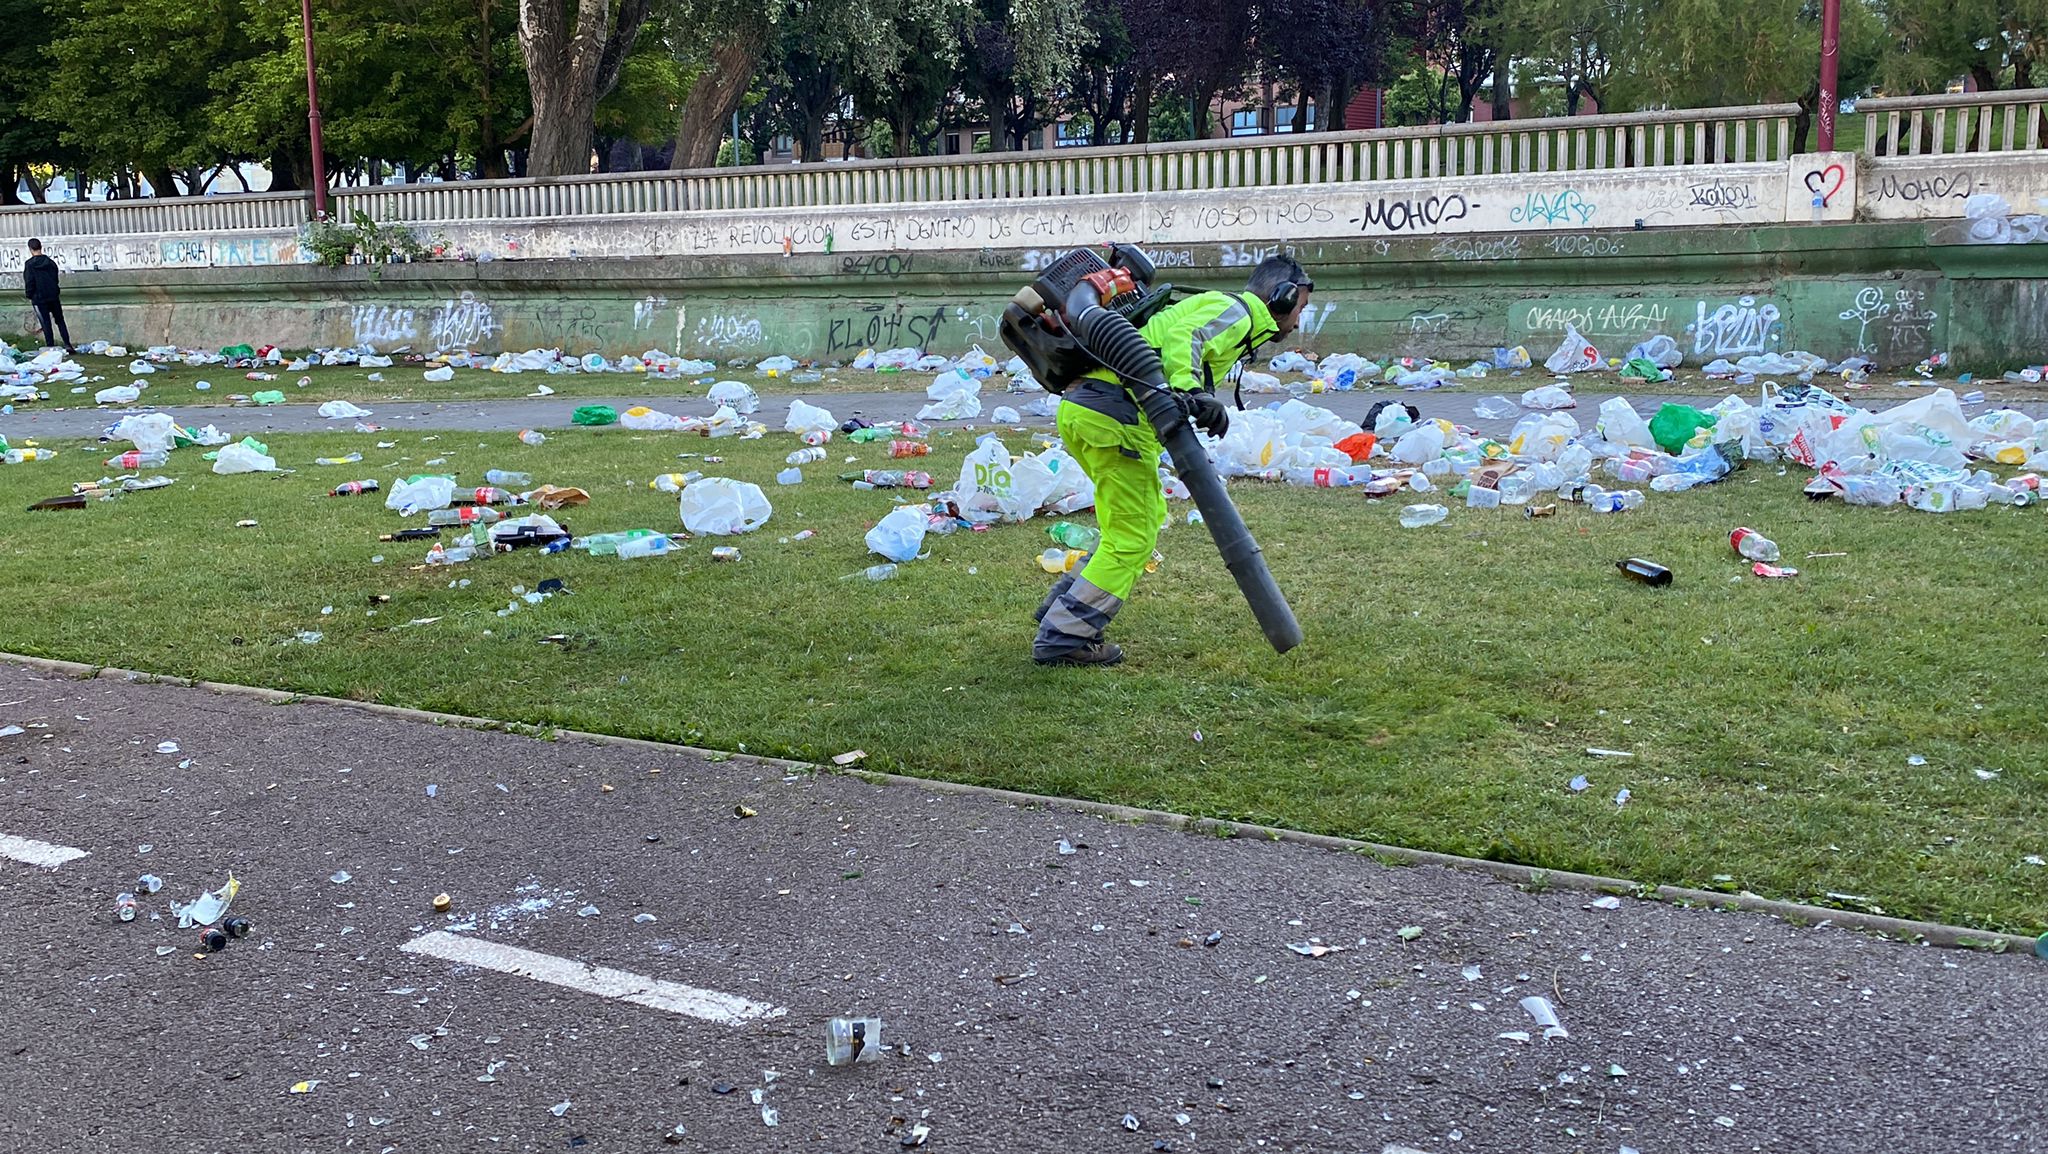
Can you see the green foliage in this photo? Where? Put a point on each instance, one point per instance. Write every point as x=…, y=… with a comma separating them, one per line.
x=333, y=244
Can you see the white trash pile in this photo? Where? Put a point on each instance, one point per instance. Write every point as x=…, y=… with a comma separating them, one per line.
x=1925, y=453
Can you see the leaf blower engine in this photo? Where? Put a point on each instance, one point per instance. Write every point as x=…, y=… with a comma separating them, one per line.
x=1081, y=314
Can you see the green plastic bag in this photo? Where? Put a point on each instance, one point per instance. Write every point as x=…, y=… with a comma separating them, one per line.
x=595, y=415
x=1642, y=368
x=1674, y=425
x=268, y=397
x=238, y=351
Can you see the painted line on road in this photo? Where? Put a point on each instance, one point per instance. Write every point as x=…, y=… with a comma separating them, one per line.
x=603, y=981
x=38, y=853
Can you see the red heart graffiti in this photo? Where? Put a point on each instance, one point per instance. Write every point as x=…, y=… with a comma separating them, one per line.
x=1814, y=181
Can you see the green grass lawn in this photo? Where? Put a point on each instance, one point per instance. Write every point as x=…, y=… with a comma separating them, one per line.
x=1452, y=679
x=176, y=385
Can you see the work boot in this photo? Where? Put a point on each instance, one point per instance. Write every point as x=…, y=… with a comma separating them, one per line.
x=1097, y=653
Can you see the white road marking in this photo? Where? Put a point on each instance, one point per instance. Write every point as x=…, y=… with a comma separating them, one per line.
x=38, y=853
x=672, y=997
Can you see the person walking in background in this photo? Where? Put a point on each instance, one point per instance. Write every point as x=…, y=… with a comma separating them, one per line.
x=39, y=284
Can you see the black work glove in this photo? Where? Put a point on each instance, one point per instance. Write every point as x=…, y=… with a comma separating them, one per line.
x=1206, y=412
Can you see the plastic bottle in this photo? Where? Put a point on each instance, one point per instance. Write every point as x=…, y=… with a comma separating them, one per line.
x=889, y=479
x=874, y=572
x=488, y=495
x=901, y=449
x=790, y=476
x=1058, y=560
x=354, y=488
x=137, y=459
x=1481, y=497
x=465, y=515
x=652, y=545
x=1075, y=536
x=816, y=438
x=607, y=544
x=508, y=480
x=1754, y=545
x=863, y=436
x=1614, y=501
x=17, y=456
x=805, y=456
x=532, y=436
x=1320, y=477
x=125, y=906
x=1416, y=516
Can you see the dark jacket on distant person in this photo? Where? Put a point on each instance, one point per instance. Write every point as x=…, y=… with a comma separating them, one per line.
x=39, y=280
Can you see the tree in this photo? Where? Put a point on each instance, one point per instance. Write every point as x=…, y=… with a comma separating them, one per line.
x=25, y=138
x=909, y=73
x=1206, y=46
x=1104, y=76
x=1324, y=49
x=569, y=69
x=1990, y=41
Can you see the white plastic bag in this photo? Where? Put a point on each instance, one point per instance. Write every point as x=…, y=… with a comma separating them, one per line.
x=117, y=395
x=985, y=475
x=721, y=506
x=808, y=418
x=240, y=458
x=899, y=535
x=1542, y=436
x=409, y=497
x=150, y=432
x=1420, y=445
x=1659, y=350
x=1574, y=354
x=737, y=395
x=341, y=410
x=953, y=396
x=1549, y=397
x=775, y=365
x=650, y=420
x=1495, y=409
x=1620, y=423
x=1005, y=415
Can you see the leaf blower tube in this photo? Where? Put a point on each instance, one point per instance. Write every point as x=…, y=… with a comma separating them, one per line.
x=1112, y=340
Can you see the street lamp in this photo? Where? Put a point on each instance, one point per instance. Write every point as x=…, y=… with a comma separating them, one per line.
x=313, y=116
x=1830, y=70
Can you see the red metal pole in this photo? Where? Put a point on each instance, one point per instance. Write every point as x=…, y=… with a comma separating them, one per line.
x=1830, y=70
x=313, y=115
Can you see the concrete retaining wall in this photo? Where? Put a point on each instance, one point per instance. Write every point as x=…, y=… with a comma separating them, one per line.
x=1894, y=292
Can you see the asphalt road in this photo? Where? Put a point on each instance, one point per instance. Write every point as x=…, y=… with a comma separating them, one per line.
x=1031, y=998
x=553, y=412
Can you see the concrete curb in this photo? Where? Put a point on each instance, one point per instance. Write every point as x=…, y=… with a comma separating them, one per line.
x=1932, y=933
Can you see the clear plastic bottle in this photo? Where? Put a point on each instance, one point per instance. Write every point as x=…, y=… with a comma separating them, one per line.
x=607, y=544
x=17, y=456
x=875, y=572
x=488, y=495
x=850, y=1040
x=888, y=479
x=1481, y=497
x=465, y=515
x=354, y=488
x=652, y=545
x=790, y=476
x=532, y=437
x=137, y=459
x=1416, y=516
x=1754, y=545
x=125, y=906
x=508, y=480
x=805, y=456
x=1615, y=501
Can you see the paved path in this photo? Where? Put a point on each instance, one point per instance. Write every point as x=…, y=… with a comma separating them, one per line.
x=553, y=412
x=1038, y=997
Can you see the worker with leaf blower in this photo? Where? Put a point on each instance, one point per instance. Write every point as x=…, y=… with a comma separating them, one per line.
x=1199, y=340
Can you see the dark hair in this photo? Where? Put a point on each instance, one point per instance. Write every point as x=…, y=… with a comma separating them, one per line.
x=1273, y=274
x=35, y=245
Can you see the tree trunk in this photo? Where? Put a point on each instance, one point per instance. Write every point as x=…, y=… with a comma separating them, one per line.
x=569, y=71
x=1503, y=87
x=1301, y=106
x=1987, y=79
x=712, y=99
x=995, y=98
x=1141, y=110
x=163, y=183
x=10, y=181
x=2023, y=71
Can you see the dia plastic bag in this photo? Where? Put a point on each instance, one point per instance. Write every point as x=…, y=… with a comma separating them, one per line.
x=1574, y=354
x=409, y=497
x=985, y=475
x=721, y=506
x=808, y=418
x=899, y=535
x=240, y=458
